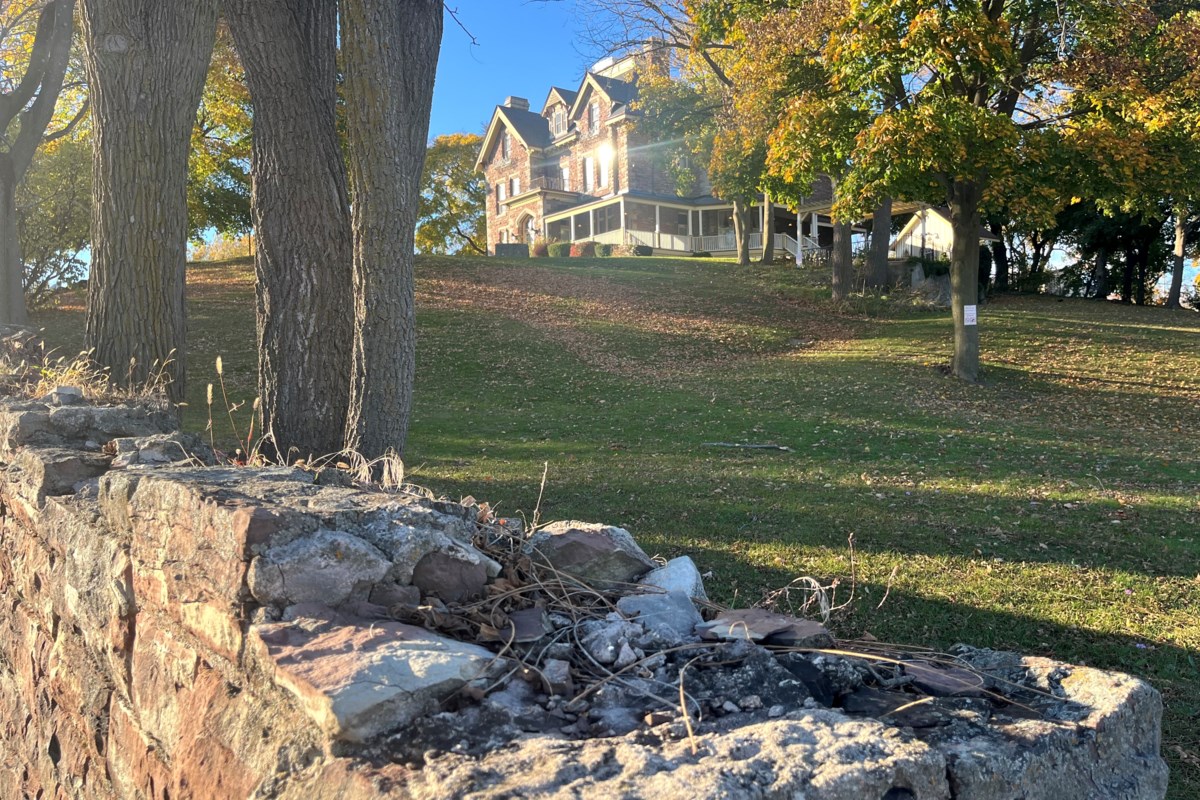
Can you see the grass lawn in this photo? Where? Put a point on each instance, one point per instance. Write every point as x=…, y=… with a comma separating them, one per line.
x=1055, y=509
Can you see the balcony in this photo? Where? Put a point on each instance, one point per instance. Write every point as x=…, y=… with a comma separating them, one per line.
x=548, y=183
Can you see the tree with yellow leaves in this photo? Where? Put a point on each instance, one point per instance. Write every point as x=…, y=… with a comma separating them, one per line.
x=34, y=56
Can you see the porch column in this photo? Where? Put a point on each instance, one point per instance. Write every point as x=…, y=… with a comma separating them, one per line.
x=814, y=228
x=624, y=223
x=799, y=239
x=592, y=224
x=657, y=225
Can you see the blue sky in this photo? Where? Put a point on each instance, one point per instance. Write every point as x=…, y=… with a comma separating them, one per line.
x=524, y=47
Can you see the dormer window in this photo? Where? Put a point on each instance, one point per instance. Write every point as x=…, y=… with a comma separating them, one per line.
x=558, y=121
x=594, y=118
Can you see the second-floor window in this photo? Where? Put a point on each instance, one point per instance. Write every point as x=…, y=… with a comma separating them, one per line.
x=589, y=172
x=559, y=120
x=604, y=168
x=566, y=179
x=514, y=187
x=594, y=118
x=501, y=196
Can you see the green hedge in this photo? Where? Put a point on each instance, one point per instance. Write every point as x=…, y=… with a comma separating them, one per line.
x=559, y=249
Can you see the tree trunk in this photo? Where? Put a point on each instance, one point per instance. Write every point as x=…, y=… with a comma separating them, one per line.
x=146, y=63
x=1100, y=275
x=842, y=261
x=768, y=231
x=301, y=214
x=741, y=232
x=881, y=232
x=390, y=53
x=1000, y=257
x=28, y=108
x=964, y=277
x=1142, y=267
x=1131, y=258
x=12, y=290
x=1181, y=221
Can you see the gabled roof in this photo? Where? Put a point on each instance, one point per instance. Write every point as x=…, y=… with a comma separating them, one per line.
x=533, y=130
x=561, y=95
x=618, y=92
x=940, y=211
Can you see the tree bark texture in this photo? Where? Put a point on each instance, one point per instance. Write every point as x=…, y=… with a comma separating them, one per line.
x=12, y=290
x=964, y=276
x=741, y=232
x=881, y=235
x=1181, y=221
x=301, y=213
x=31, y=101
x=768, y=231
x=146, y=63
x=390, y=53
x=842, y=260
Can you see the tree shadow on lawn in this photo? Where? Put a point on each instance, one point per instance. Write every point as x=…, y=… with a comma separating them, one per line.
x=906, y=615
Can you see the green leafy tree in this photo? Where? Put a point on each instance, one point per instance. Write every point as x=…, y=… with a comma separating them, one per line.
x=972, y=108
x=53, y=210
x=218, y=190
x=35, y=54
x=453, y=197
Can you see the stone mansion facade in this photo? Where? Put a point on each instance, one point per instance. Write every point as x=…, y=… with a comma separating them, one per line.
x=579, y=170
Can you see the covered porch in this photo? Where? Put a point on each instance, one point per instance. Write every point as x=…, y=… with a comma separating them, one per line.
x=675, y=226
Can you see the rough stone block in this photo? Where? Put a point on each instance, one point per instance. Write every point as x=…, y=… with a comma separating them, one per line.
x=357, y=678
x=56, y=471
x=327, y=567
x=604, y=556
x=677, y=575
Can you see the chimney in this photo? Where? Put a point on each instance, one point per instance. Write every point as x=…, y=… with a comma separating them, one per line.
x=516, y=102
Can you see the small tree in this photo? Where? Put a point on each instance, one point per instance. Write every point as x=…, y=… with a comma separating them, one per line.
x=26, y=108
x=453, y=197
x=54, y=206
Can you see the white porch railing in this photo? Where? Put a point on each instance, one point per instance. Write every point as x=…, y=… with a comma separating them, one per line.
x=723, y=242
x=714, y=244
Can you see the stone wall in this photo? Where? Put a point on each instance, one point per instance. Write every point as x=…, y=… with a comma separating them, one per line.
x=171, y=630
x=141, y=649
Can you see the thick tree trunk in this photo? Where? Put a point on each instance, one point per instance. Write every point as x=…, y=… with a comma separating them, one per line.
x=1181, y=221
x=12, y=290
x=1000, y=257
x=881, y=233
x=390, y=53
x=146, y=62
x=964, y=277
x=842, y=261
x=1100, y=275
x=301, y=213
x=768, y=232
x=741, y=232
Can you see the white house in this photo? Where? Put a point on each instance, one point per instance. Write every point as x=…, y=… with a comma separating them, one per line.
x=929, y=235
